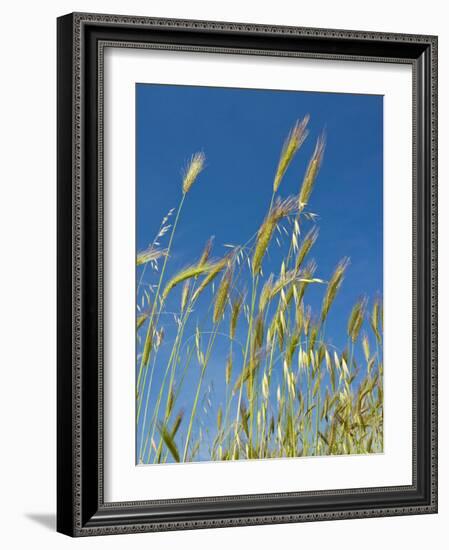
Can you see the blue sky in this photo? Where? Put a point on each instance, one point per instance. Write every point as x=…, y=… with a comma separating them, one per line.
x=241, y=133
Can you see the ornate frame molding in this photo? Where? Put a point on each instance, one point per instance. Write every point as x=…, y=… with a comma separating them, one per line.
x=82, y=512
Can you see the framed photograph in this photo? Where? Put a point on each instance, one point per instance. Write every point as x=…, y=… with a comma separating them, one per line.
x=247, y=280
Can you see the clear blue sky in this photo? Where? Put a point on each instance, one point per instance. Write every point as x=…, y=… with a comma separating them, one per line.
x=241, y=133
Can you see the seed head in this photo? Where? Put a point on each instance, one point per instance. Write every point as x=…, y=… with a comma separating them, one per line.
x=333, y=287
x=356, y=319
x=192, y=171
x=280, y=210
x=292, y=143
x=222, y=296
x=207, y=250
x=235, y=312
x=312, y=172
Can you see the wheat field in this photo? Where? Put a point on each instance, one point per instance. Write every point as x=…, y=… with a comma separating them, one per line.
x=283, y=388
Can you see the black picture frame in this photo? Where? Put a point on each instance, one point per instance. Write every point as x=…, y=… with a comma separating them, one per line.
x=81, y=510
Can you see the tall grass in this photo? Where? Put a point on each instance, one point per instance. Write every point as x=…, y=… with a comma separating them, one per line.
x=287, y=390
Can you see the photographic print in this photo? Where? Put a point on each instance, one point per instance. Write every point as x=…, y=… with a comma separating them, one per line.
x=247, y=274
x=259, y=274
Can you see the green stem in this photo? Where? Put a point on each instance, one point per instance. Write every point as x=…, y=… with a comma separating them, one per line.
x=245, y=356
x=171, y=365
x=161, y=277
x=195, y=403
x=147, y=400
x=317, y=425
x=252, y=379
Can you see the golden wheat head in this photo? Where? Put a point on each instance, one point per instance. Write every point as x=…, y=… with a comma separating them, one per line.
x=307, y=243
x=356, y=318
x=195, y=166
x=184, y=274
x=312, y=172
x=235, y=312
x=207, y=250
x=333, y=287
x=216, y=267
x=222, y=296
x=150, y=255
x=279, y=210
x=292, y=143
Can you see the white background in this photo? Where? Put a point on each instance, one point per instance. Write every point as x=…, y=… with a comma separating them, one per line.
x=123, y=481
x=27, y=299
